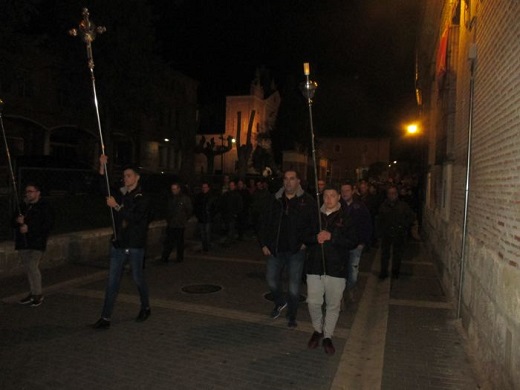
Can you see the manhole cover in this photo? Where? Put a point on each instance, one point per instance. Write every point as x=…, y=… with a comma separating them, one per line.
x=269, y=297
x=201, y=289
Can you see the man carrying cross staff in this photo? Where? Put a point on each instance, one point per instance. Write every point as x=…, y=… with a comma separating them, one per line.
x=131, y=214
x=129, y=207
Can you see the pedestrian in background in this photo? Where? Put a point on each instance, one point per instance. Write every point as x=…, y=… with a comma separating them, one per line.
x=32, y=228
x=205, y=208
x=290, y=218
x=178, y=213
x=362, y=221
x=132, y=212
x=393, y=223
x=243, y=218
x=326, y=268
x=231, y=206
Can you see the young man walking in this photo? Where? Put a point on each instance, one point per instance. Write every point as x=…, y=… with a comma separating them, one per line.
x=131, y=208
x=326, y=268
x=289, y=220
x=32, y=229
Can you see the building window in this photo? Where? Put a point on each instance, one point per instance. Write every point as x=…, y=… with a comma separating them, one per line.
x=337, y=148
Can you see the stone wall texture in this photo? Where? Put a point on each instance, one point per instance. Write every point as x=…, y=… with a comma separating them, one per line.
x=81, y=247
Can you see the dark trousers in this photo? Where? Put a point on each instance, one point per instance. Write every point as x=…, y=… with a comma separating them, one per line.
x=396, y=246
x=174, y=238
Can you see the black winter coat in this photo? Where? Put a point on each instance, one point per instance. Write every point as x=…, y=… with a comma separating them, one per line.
x=39, y=219
x=179, y=210
x=302, y=215
x=333, y=260
x=132, y=219
x=205, y=207
x=394, y=219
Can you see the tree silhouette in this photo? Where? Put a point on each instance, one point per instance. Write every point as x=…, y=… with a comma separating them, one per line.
x=210, y=149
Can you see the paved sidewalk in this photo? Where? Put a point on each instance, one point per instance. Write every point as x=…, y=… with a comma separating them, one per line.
x=399, y=335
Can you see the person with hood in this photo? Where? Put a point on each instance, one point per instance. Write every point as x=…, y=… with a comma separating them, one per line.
x=290, y=218
x=326, y=268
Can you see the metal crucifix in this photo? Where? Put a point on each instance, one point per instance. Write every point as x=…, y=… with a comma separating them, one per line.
x=88, y=31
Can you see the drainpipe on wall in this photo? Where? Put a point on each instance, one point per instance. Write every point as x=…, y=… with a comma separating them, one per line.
x=472, y=56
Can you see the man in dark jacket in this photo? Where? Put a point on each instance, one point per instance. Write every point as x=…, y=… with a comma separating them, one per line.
x=363, y=223
x=326, y=268
x=178, y=213
x=204, y=211
x=32, y=229
x=393, y=223
x=131, y=208
x=231, y=206
x=289, y=220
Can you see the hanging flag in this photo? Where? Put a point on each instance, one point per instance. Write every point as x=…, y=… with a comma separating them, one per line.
x=441, y=65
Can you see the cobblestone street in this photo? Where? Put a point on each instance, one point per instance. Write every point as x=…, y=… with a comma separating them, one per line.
x=225, y=339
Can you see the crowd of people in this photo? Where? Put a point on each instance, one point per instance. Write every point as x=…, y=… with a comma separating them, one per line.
x=315, y=238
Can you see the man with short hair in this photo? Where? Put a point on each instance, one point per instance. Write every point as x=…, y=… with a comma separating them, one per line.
x=363, y=224
x=289, y=219
x=131, y=208
x=177, y=215
x=32, y=227
x=326, y=268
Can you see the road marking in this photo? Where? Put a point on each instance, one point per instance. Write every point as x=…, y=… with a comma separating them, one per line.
x=361, y=363
x=255, y=318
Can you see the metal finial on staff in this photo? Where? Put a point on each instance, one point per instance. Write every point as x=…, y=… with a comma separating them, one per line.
x=308, y=88
x=11, y=171
x=88, y=32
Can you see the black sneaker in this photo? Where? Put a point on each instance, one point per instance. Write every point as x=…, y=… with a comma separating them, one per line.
x=278, y=310
x=28, y=299
x=102, y=323
x=37, y=300
x=143, y=315
x=292, y=323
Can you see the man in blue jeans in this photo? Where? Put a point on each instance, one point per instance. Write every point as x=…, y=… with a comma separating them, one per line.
x=289, y=220
x=131, y=210
x=360, y=215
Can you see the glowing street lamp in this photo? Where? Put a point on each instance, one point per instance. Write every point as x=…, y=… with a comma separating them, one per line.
x=412, y=129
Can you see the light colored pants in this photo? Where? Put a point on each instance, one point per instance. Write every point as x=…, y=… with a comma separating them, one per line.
x=30, y=259
x=330, y=288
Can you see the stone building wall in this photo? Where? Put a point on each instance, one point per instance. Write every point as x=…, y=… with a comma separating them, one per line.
x=490, y=305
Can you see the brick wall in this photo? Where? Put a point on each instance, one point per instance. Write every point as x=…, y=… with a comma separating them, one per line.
x=490, y=307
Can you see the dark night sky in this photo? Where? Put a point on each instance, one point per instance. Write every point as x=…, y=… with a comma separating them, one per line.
x=361, y=53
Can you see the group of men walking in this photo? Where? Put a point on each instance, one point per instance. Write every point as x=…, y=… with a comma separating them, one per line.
x=322, y=238
x=327, y=246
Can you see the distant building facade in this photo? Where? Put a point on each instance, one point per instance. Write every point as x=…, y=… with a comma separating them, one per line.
x=41, y=121
x=259, y=110
x=350, y=158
